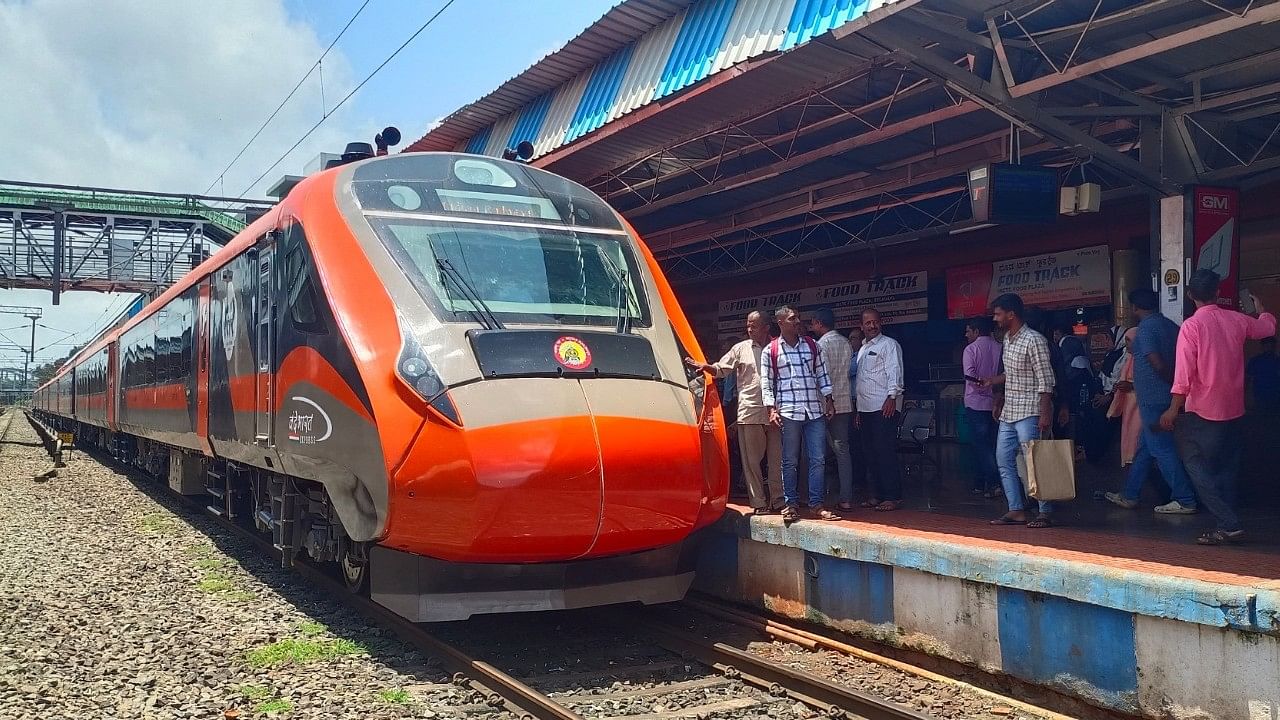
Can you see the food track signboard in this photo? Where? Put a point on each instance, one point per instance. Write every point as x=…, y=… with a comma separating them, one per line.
x=1072, y=277
x=899, y=298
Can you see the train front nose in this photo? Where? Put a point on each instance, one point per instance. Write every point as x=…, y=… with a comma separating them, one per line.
x=548, y=470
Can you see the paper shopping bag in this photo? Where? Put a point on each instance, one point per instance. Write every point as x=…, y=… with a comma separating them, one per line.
x=1051, y=469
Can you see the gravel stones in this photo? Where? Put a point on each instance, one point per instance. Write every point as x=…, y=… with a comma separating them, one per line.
x=116, y=601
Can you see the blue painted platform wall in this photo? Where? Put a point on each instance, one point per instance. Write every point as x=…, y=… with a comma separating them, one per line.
x=1113, y=644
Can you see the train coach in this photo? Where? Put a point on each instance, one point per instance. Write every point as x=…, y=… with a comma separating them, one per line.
x=459, y=380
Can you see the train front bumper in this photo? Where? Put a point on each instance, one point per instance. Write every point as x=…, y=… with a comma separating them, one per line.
x=423, y=589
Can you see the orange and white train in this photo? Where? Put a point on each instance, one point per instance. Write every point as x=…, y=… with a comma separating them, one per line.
x=460, y=379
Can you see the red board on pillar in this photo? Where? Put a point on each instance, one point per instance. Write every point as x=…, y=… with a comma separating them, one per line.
x=1215, y=237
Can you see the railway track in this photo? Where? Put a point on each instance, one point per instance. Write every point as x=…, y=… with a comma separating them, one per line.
x=664, y=670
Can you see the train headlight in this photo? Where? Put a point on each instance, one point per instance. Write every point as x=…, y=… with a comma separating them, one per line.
x=417, y=372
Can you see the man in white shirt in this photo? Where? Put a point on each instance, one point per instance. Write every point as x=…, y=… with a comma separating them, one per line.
x=757, y=437
x=879, y=393
x=837, y=354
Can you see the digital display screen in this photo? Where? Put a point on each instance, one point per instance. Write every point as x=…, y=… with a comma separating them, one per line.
x=481, y=203
x=1023, y=194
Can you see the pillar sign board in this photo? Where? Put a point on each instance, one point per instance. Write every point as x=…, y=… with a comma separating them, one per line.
x=1215, y=237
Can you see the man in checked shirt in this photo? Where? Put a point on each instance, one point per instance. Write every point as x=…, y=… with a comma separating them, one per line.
x=1025, y=411
x=797, y=393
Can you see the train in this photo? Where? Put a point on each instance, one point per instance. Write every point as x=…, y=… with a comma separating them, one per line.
x=456, y=380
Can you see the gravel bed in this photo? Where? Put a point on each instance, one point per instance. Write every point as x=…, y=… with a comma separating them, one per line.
x=117, y=602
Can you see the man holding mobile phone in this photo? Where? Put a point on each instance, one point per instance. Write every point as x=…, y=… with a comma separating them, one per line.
x=981, y=360
x=1208, y=382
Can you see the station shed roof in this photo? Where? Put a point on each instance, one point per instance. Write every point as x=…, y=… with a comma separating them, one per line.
x=740, y=134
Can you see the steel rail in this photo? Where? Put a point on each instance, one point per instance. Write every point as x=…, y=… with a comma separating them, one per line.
x=497, y=688
x=836, y=701
x=494, y=687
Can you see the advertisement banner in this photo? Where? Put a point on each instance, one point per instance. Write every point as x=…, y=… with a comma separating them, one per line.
x=899, y=298
x=1071, y=277
x=1215, y=237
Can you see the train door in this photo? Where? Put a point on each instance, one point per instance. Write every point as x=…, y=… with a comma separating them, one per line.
x=112, y=406
x=204, y=318
x=264, y=344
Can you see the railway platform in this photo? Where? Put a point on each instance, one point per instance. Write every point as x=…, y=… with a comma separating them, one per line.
x=1124, y=620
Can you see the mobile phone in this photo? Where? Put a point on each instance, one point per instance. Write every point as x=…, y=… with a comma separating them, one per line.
x=1248, y=304
x=973, y=379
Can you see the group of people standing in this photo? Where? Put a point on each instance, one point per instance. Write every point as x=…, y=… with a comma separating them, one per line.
x=1183, y=387
x=795, y=393
x=1182, y=394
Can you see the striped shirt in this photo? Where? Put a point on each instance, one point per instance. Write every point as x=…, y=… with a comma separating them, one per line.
x=797, y=391
x=837, y=353
x=1027, y=373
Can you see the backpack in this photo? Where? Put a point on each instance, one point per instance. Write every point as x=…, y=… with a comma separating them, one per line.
x=774, y=349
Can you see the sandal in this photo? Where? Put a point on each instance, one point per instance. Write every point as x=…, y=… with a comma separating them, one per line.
x=790, y=514
x=869, y=503
x=762, y=511
x=821, y=513
x=845, y=507
x=1220, y=537
x=1008, y=519
x=1042, y=521
x=889, y=506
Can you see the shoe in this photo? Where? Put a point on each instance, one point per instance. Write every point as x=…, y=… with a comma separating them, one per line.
x=1123, y=501
x=1173, y=507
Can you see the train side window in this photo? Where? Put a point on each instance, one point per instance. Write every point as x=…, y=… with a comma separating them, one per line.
x=303, y=303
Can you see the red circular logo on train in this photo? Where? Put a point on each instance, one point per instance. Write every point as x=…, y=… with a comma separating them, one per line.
x=572, y=353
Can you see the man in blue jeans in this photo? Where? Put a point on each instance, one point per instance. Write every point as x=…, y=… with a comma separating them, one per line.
x=1152, y=356
x=1025, y=409
x=797, y=394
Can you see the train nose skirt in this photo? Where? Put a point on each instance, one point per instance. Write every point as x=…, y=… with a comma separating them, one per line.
x=423, y=589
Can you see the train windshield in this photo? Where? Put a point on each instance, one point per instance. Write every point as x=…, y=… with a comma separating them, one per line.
x=522, y=274
x=531, y=246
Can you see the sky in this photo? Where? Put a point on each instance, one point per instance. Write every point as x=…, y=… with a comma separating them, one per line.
x=162, y=94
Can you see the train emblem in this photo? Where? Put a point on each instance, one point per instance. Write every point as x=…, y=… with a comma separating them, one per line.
x=572, y=353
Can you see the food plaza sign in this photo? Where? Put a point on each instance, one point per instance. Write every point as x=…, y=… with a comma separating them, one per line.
x=899, y=298
x=1071, y=277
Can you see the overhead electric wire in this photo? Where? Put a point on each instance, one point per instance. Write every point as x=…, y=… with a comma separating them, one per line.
x=288, y=97
x=353, y=92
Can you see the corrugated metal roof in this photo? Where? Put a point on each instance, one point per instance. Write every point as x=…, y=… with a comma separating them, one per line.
x=620, y=26
x=695, y=42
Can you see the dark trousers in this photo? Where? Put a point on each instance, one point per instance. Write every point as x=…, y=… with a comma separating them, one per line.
x=983, y=426
x=880, y=448
x=1210, y=452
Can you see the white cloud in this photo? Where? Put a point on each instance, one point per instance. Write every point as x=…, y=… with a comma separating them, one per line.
x=156, y=95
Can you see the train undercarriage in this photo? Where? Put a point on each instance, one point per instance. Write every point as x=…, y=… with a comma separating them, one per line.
x=297, y=513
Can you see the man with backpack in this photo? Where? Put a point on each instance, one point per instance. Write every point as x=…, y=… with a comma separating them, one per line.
x=797, y=395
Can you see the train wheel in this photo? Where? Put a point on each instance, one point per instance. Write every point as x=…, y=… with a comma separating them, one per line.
x=353, y=562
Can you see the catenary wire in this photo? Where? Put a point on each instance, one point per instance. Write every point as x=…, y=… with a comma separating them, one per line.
x=349, y=95
x=288, y=97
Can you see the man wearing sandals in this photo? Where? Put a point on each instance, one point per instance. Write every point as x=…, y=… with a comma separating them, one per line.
x=1208, y=383
x=877, y=391
x=837, y=354
x=797, y=393
x=757, y=437
x=1025, y=410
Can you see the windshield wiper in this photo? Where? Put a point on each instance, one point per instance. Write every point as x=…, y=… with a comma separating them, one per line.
x=479, y=309
x=623, y=302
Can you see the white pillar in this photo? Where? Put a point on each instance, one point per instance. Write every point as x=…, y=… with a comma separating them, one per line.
x=1175, y=235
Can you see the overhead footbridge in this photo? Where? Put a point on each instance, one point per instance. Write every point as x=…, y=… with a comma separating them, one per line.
x=63, y=237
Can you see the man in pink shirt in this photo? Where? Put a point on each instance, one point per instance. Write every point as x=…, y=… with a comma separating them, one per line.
x=1208, y=382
